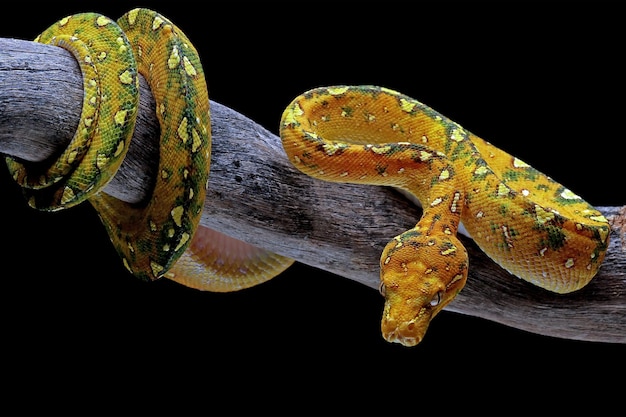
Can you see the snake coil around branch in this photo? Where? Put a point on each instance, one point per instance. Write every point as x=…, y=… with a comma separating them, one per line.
x=285, y=214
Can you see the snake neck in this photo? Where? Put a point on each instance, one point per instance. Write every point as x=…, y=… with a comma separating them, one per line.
x=424, y=268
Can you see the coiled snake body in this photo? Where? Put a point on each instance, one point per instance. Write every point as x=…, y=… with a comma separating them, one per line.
x=529, y=224
x=160, y=237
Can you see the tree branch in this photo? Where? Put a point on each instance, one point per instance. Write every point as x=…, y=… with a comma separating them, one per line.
x=257, y=196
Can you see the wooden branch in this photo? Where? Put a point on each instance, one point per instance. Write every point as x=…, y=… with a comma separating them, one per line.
x=256, y=195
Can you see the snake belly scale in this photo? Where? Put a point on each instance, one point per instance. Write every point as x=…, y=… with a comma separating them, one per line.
x=529, y=224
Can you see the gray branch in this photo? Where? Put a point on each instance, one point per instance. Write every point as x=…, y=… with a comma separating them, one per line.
x=257, y=196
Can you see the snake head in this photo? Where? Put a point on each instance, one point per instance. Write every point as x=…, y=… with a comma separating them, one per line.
x=420, y=275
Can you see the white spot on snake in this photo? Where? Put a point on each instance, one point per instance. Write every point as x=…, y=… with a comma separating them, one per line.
x=599, y=218
x=568, y=195
x=335, y=91
x=457, y=135
x=518, y=163
x=332, y=148
x=406, y=105
x=196, y=143
x=481, y=170
x=156, y=268
x=132, y=16
x=119, y=149
x=102, y=21
x=380, y=150
x=569, y=263
x=189, y=68
x=182, y=130
x=174, y=60
x=126, y=77
x=126, y=265
x=436, y=202
x=449, y=251
x=425, y=156
x=71, y=157
x=507, y=236
x=177, y=215
x=542, y=215
x=183, y=239
x=455, y=201
x=503, y=190
x=120, y=117
x=68, y=195
x=157, y=22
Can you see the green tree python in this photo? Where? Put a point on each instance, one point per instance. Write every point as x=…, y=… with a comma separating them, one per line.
x=160, y=237
x=526, y=222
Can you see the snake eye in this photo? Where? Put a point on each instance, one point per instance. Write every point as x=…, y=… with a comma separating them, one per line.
x=381, y=289
x=436, y=299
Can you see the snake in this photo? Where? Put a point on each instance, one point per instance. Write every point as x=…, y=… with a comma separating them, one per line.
x=526, y=222
x=160, y=236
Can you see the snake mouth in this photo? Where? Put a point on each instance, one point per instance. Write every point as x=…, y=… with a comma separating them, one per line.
x=407, y=333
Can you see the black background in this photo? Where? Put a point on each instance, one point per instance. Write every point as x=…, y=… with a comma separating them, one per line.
x=542, y=80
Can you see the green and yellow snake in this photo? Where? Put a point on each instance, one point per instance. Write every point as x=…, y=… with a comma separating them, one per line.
x=529, y=224
x=160, y=237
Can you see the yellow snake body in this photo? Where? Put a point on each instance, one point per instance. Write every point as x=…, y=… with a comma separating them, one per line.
x=529, y=224
x=159, y=237
x=150, y=237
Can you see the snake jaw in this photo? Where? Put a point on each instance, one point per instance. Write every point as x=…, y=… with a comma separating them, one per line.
x=408, y=333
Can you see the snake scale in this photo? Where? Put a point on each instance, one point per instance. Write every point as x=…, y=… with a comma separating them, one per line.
x=526, y=222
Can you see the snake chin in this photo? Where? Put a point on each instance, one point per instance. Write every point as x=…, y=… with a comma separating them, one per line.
x=408, y=333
